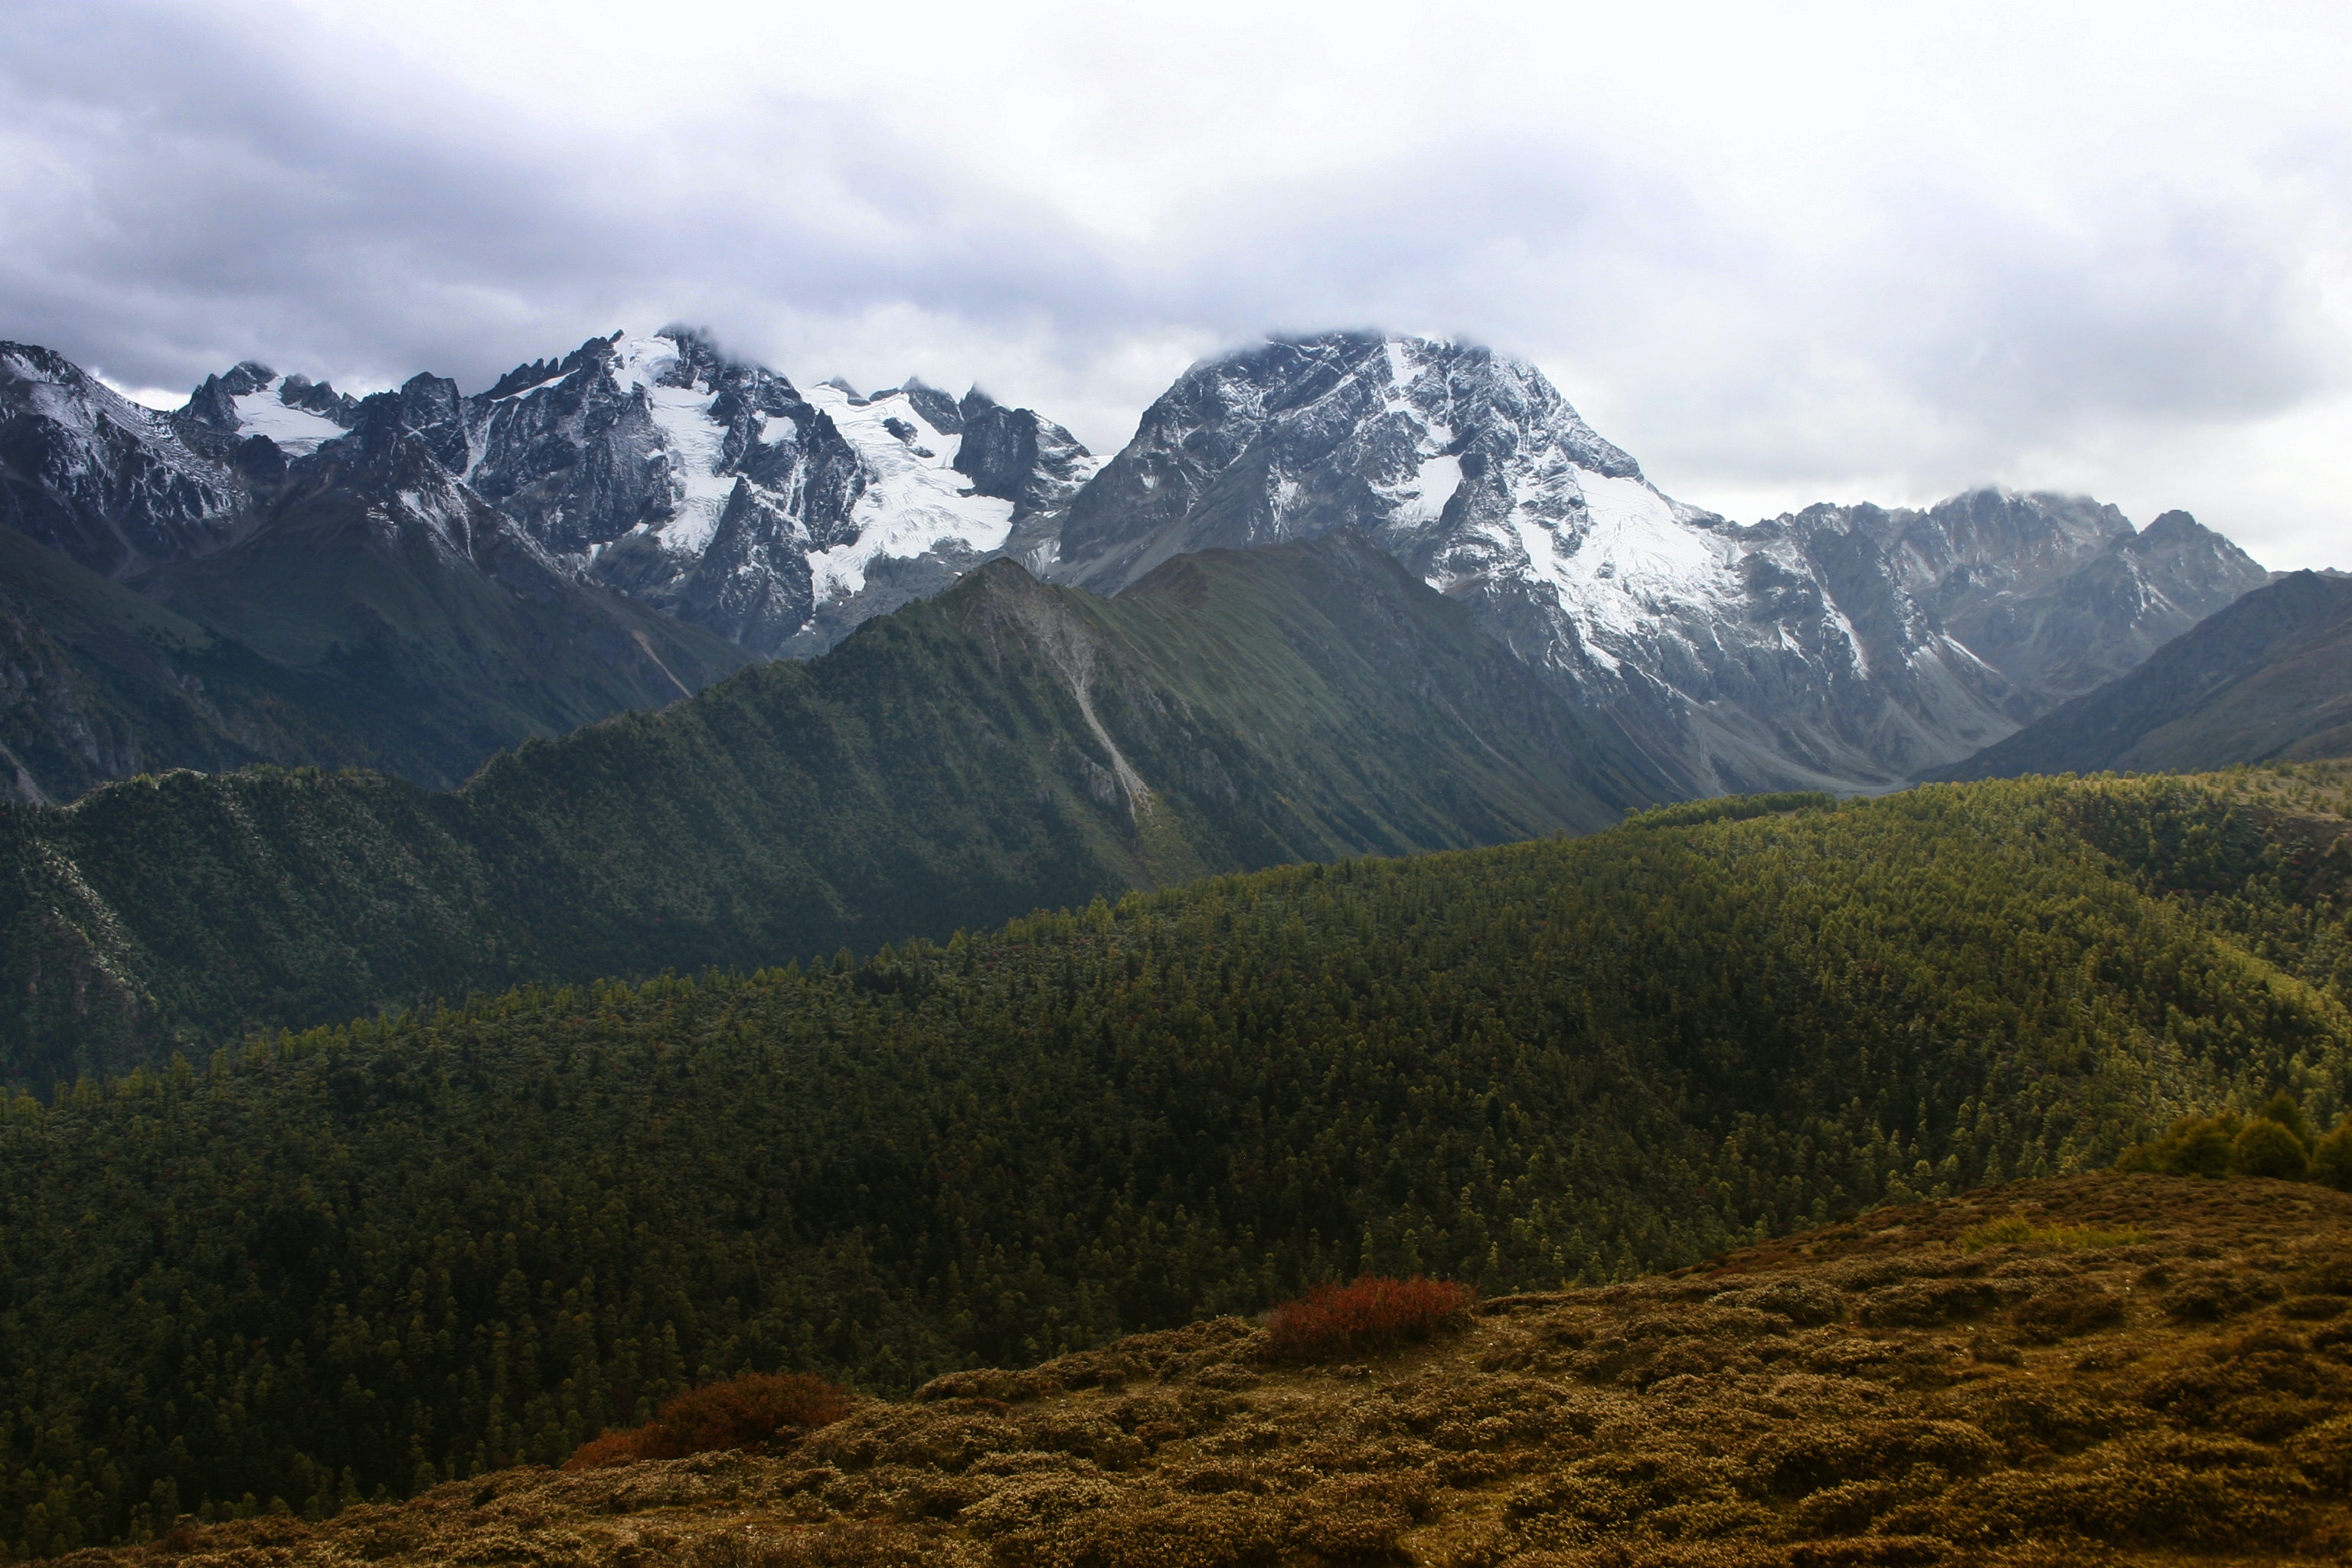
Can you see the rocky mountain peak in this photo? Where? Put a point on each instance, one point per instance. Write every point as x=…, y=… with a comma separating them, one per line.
x=95, y=477
x=1295, y=436
x=936, y=406
x=1836, y=646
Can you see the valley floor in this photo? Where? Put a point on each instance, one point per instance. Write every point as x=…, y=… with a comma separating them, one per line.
x=2098, y=1369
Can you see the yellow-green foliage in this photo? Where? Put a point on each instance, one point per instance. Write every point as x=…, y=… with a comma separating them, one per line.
x=2275, y=1143
x=2016, y=1230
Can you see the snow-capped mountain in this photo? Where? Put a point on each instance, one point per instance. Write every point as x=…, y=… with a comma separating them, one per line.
x=716, y=491
x=1822, y=649
x=276, y=572
x=295, y=413
x=1843, y=647
x=97, y=478
x=703, y=485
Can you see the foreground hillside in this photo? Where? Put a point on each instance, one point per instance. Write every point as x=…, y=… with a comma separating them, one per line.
x=1004, y=747
x=376, y=1256
x=2092, y=1370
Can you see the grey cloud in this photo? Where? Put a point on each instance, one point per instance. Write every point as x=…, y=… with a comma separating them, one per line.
x=181, y=191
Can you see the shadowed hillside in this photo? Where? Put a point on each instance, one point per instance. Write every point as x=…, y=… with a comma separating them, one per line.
x=2270, y=677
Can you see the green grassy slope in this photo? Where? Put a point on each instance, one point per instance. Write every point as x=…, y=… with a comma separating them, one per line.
x=938, y=769
x=412, y=1248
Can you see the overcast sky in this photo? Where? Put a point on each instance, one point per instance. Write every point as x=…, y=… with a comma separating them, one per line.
x=1781, y=253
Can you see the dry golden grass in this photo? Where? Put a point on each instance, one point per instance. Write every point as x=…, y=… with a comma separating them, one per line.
x=1976, y=1381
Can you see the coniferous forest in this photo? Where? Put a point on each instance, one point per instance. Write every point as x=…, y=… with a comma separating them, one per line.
x=354, y=1261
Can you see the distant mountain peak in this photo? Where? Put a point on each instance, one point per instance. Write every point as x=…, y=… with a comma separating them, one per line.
x=2176, y=525
x=1819, y=648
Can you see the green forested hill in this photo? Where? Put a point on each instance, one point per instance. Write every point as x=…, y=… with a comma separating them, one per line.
x=1004, y=747
x=375, y=1256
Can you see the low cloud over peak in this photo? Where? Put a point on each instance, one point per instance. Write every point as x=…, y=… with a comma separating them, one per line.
x=1851, y=255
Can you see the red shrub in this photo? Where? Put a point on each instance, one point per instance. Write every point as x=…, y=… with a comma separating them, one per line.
x=1373, y=1315
x=616, y=1447
x=740, y=1413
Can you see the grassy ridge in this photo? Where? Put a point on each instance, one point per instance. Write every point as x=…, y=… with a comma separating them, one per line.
x=938, y=769
x=2132, y=1372
x=413, y=1247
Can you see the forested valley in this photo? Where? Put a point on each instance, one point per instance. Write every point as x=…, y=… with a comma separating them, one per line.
x=351, y=1262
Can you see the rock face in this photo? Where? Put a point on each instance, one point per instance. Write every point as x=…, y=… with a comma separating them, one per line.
x=102, y=481
x=718, y=492
x=2058, y=593
x=1841, y=646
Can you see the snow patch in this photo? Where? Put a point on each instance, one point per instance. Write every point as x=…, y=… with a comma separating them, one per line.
x=298, y=432
x=1433, y=485
x=1631, y=566
x=911, y=504
x=693, y=443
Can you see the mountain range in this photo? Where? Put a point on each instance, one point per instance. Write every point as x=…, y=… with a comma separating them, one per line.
x=674, y=878
x=414, y=580
x=2268, y=678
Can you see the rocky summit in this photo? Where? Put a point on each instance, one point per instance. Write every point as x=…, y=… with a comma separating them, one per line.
x=1838, y=647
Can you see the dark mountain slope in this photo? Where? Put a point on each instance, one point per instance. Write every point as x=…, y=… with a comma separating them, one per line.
x=2270, y=676
x=1004, y=746
x=402, y=591
x=98, y=682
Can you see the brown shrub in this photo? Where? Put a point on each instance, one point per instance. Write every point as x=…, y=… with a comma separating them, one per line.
x=1360, y=1516
x=2212, y=1297
x=1800, y=1463
x=740, y=1413
x=2076, y=1306
x=1373, y=1315
x=1801, y=1301
x=1919, y=1303
x=1846, y=1508
x=847, y=1545
x=990, y=1383
x=2145, y=1498
x=2324, y=1453
x=616, y=1447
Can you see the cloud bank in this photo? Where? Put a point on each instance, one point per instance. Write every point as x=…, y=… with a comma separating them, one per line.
x=1781, y=254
